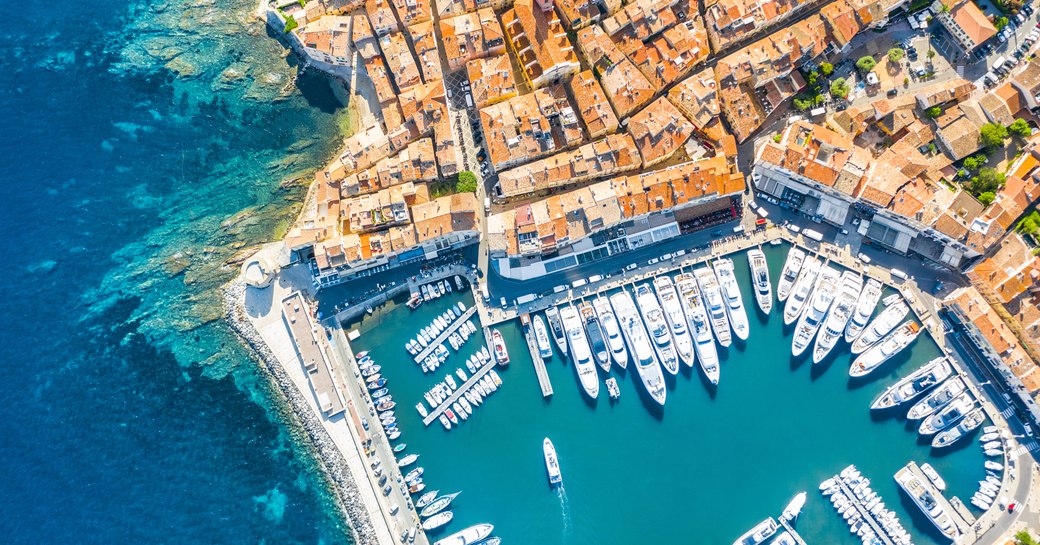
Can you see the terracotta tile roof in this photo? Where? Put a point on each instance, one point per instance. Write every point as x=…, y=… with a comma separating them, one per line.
x=975, y=24
x=518, y=130
x=592, y=105
x=540, y=42
x=606, y=157
x=696, y=98
x=399, y=59
x=423, y=40
x=471, y=36
x=659, y=130
x=413, y=11
x=491, y=80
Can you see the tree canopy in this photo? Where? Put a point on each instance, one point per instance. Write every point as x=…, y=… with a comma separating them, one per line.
x=467, y=182
x=839, y=89
x=933, y=112
x=826, y=68
x=992, y=135
x=987, y=181
x=1020, y=128
x=895, y=54
x=866, y=64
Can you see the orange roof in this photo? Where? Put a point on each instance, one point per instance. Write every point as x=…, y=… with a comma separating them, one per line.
x=973, y=22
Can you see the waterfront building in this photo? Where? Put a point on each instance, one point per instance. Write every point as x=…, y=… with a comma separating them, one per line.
x=471, y=36
x=491, y=80
x=527, y=127
x=326, y=43
x=399, y=59
x=964, y=21
x=608, y=156
x=539, y=43
x=592, y=105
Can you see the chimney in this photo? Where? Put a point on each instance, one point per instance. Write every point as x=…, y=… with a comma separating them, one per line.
x=546, y=5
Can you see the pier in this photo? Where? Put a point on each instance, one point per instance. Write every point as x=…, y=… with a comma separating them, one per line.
x=295, y=313
x=881, y=533
x=790, y=529
x=956, y=516
x=445, y=334
x=458, y=393
x=536, y=358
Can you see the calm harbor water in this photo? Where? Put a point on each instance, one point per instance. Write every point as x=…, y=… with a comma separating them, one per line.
x=704, y=470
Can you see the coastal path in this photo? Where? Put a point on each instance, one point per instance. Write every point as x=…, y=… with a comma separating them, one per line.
x=445, y=334
x=458, y=393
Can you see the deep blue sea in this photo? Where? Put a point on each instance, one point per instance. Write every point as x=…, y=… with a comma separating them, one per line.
x=144, y=145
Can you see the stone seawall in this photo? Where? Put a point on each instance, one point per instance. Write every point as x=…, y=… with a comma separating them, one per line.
x=329, y=457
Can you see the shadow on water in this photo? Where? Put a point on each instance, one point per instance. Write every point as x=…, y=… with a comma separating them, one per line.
x=713, y=389
x=651, y=406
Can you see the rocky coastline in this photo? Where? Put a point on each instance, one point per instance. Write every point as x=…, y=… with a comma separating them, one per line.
x=328, y=456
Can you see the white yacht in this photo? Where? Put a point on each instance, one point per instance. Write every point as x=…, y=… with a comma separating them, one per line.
x=880, y=326
x=595, y=333
x=868, y=300
x=653, y=317
x=793, y=508
x=642, y=353
x=552, y=314
x=738, y=320
x=914, y=384
x=469, y=536
x=673, y=313
x=912, y=485
x=948, y=416
x=972, y=420
x=816, y=309
x=793, y=265
x=937, y=399
x=760, y=279
x=891, y=345
x=759, y=534
x=552, y=465
x=580, y=351
x=712, y=299
x=849, y=288
x=615, y=342
x=697, y=317
x=802, y=289
x=541, y=337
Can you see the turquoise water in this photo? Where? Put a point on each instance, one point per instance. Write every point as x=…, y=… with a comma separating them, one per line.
x=704, y=470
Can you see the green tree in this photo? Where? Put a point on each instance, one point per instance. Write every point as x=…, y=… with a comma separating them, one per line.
x=895, y=54
x=802, y=104
x=290, y=24
x=931, y=53
x=988, y=180
x=839, y=89
x=826, y=69
x=992, y=135
x=933, y=112
x=974, y=162
x=1020, y=128
x=777, y=138
x=1000, y=23
x=813, y=76
x=467, y=182
x=1029, y=225
x=987, y=198
x=944, y=8
x=866, y=64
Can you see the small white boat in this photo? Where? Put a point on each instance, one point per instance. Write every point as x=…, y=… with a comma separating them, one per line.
x=864, y=310
x=793, y=266
x=816, y=310
x=422, y=409
x=552, y=465
x=552, y=314
x=738, y=319
x=802, y=289
x=444, y=421
x=495, y=378
x=437, y=505
x=407, y=460
x=933, y=476
x=891, y=345
x=876, y=330
x=759, y=534
x=438, y=520
x=469, y=536
x=794, y=508
x=612, y=388
x=541, y=337
x=993, y=466
x=464, y=403
x=760, y=279
x=501, y=355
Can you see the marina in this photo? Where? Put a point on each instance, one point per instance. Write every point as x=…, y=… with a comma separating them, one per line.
x=537, y=354
x=950, y=521
x=445, y=334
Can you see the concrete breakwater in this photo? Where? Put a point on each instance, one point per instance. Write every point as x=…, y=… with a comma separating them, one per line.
x=330, y=458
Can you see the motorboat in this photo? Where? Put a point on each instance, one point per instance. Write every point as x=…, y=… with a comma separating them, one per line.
x=469, y=536
x=933, y=476
x=936, y=399
x=892, y=344
x=437, y=505
x=948, y=416
x=612, y=388
x=793, y=508
x=868, y=301
x=673, y=314
x=495, y=378
x=703, y=342
x=501, y=354
x=465, y=404
x=414, y=475
x=451, y=416
x=738, y=319
x=595, y=334
x=422, y=409
x=657, y=326
x=760, y=279
x=993, y=466
x=552, y=314
x=642, y=353
x=849, y=287
x=580, y=351
x=712, y=299
x=438, y=520
x=792, y=266
x=541, y=337
x=426, y=499
x=880, y=326
x=986, y=437
x=443, y=418
x=552, y=465
x=913, y=385
x=816, y=309
x=400, y=448
x=611, y=328
x=922, y=496
x=759, y=534
x=802, y=289
x=459, y=411
x=969, y=423
x=407, y=460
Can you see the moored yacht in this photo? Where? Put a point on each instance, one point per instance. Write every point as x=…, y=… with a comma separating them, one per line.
x=914, y=384
x=580, y=351
x=891, y=345
x=912, y=485
x=541, y=337
x=948, y=416
x=595, y=332
x=880, y=326
x=937, y=399
x=552, y=314
x=849, y=288
x=469, y=536
x=552, y=465
x=759, y=534
x=697, y=317
x=793, y=266
x=738, y=320
x=969, y=423
x=760, y=279
x=802, y=289
x=816, y=310
x=642, y=353
x=656, y=325
x=864, y=309
x=673, y=313
x=712, y=299
x=795, y=507
x=612, y=330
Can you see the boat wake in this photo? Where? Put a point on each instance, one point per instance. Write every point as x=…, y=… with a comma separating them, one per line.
x=564, y=511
